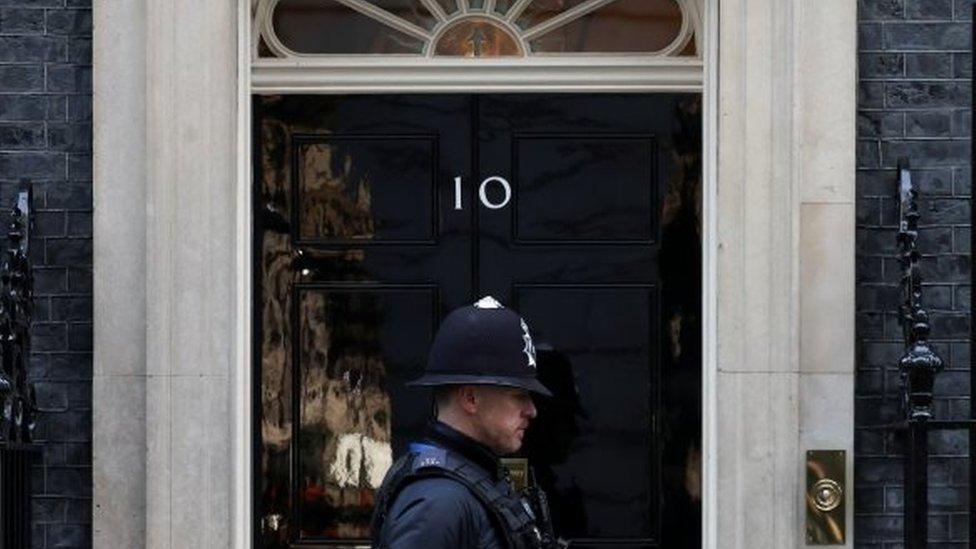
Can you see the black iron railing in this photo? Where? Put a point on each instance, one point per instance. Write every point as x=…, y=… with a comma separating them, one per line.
x=919, y=367
x=17, y=404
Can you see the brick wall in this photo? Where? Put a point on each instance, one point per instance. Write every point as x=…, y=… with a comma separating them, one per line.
x=45, y=135
x=914, y=100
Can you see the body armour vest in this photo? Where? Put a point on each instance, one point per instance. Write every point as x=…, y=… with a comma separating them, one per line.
x=510, y=514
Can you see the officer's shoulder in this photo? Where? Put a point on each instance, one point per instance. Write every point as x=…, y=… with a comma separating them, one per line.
x=427, y=457
x=437, y=494
x=441, y=488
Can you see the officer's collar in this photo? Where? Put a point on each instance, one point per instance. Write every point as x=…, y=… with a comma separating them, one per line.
x=445, y=436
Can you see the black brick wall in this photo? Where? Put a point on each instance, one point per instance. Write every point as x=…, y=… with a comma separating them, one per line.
x=45, y=134
x=914, y=65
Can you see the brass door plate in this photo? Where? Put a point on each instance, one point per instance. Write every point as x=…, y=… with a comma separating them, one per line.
x=518, y=471
x=826, y=496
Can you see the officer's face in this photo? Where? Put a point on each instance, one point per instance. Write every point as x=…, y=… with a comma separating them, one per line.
x=503, y=416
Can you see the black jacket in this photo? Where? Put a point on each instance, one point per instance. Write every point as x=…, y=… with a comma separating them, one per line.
x=441, y=513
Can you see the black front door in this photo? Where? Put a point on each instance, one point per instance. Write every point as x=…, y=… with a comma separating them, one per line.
x=377, y=215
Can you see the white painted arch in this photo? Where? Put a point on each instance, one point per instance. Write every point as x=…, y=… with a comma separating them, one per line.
x=172, y=243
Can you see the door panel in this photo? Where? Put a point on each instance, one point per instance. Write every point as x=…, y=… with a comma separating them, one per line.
x=601, y=471
x=578, y=256
x=355, y=267
x=353, y=406
x=366, y=189
x=604, y=183
x=363, y=244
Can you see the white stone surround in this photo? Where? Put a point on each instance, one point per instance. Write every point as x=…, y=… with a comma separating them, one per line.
x=786, y=139
x=166, y=278
x=171, y=385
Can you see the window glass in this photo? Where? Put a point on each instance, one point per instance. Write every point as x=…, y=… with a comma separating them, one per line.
x=408, y=10
x=622, y=26
x=540, y=10
x=450, y=6
x=314, y=26
x=501, y=6
x=510, y=28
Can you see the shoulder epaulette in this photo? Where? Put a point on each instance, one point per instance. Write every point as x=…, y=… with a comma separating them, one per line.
x=428, y=456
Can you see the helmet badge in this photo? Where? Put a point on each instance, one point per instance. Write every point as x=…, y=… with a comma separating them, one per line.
x=529, y=349
x=488, y=302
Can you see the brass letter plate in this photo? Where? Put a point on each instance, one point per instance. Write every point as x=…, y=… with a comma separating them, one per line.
x=826, y=494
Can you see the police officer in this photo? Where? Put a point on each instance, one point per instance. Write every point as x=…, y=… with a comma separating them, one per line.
x=450, y=491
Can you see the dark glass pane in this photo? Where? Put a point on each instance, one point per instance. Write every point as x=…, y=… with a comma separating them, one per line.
x=622, y=26
x=316, y=26
x=539, y=10
x=476, y=4
x=358, y=348
x=450, y=6
x=604, y=187
x=502, y=6
x=605, y=349
x=409, y=10
x=357, y=189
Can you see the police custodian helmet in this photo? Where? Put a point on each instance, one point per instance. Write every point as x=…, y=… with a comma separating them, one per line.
x=483, y=344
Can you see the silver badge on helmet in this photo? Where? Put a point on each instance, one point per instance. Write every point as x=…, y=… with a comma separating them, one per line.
x=488, y=302
x=529, y=349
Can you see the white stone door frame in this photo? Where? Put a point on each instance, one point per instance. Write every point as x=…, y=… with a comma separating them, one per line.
x=567, y=74
x=172, y=391
x=571, y=74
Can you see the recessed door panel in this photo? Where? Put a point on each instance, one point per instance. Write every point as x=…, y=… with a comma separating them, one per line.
x=593, y=446
x=365, y=189
x=354, y=267
x=357, y=347
x=579, y=257
x=605, y=185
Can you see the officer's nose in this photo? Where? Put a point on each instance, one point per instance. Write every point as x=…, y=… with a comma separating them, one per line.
x=530, y=410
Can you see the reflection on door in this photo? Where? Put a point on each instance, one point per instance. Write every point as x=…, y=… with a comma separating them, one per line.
x=361, y=249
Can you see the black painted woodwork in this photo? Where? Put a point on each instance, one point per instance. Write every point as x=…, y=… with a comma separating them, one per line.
x=360, y=251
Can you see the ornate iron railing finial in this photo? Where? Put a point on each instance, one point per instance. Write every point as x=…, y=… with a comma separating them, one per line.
x=17, y=399
x=920, y=363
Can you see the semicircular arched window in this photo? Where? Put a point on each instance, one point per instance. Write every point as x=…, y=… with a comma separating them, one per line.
x=475, y=28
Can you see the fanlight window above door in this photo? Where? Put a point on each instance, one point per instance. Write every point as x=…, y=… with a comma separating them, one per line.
x=476, y=28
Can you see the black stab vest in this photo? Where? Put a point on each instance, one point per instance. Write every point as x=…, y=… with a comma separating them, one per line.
x=510, y=514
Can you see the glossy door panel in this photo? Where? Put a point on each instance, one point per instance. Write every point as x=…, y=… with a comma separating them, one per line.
x=601, y=471
x=579, y=257
x=355, y=266
x=357, y=347
x=365, y=189
x=605, y=187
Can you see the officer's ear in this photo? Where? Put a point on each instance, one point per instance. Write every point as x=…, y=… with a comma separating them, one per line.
x=467, y=398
